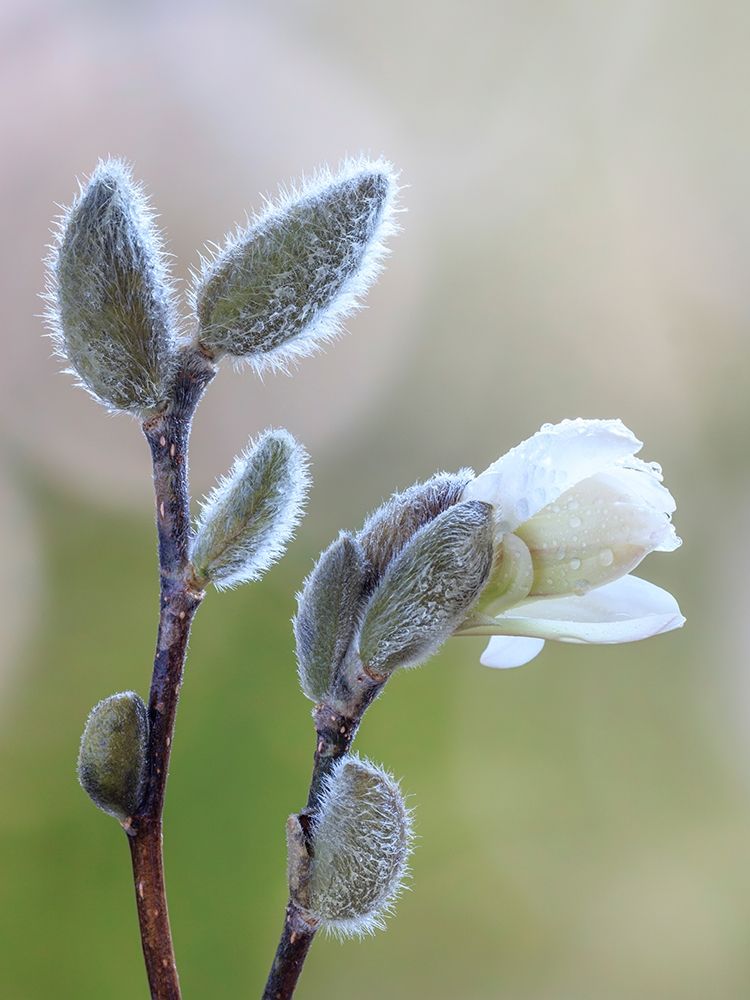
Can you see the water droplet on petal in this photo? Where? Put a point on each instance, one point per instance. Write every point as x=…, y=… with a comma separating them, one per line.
x=575, y=522
x=606, y=557
x=575, y=563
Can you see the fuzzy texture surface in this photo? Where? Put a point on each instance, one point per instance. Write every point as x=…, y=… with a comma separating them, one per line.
x=249, y=517
x=281, y=287
x=328, y=612
x=109, y=300
x=389, y=528
x=428, y=589
x=362, y=838
x=112, y=757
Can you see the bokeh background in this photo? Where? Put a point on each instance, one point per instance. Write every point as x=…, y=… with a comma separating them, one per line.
x=575, y=242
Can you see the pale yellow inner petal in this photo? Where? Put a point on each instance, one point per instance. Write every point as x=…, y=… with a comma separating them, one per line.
x=511, y=577
x=594, y=534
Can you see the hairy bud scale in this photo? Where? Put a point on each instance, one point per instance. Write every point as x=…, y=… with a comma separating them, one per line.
x=249, y=517
x=280, y=287
x=361, y=839
x=109, y=299
x=328, y=612
x=429, y=587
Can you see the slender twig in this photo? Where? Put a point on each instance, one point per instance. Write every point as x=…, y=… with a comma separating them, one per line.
x=296, y=937
x=335, y=731
x=168, y=435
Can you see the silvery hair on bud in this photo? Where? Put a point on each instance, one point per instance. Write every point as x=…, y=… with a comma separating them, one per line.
x=249, y=517
x=110, y=305
x=280, y=288
x=388, y=529
x=427, y=590
x=328, y=613
x=362, y=838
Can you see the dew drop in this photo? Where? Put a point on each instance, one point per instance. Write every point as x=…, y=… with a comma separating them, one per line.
x=606, y=557
x=575, y=563
x=575, y=522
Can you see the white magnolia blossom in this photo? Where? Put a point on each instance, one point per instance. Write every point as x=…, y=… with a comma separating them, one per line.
x=576, y=512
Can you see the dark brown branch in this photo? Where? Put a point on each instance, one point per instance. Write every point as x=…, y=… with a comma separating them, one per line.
x=296, y=938
x=153, y=918
x=168, y=435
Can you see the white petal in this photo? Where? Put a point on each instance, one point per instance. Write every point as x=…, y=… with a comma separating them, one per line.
x=646, y=481
x=623, y=611
x=537, y=471
x=642, y=482
x=510, y=651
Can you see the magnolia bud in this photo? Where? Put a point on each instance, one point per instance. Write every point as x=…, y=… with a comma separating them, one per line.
x=112, y=759
x=280, y=287
x=391, y=526
x=249, y=517
x=361, y=841
x=328, y=613
x=428, y=588
x=109, y=299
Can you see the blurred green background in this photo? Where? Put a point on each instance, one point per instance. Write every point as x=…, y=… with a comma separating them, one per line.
x=575, y=243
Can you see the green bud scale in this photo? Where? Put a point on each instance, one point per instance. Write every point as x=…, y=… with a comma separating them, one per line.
x=112, y=759
x=429, y=587
x=281, y=287
x=109, y=298
x=249, y=517
x=328, y=614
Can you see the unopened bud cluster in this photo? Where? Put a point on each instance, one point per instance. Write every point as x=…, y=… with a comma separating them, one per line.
x=391, y=595
x=276, y=290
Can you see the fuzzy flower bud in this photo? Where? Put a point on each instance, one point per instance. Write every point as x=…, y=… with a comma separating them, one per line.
x=428, y=589
x=249, y=517
x=328, y=612
x=112, y=759
x=361, y=838
x=281, y=286
x=109, y=300
x=394, y=523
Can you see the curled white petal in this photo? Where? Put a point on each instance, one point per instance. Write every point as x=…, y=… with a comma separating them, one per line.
x=623, y=611
x=641, y=483
x=539, y=470
x=506, y=651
